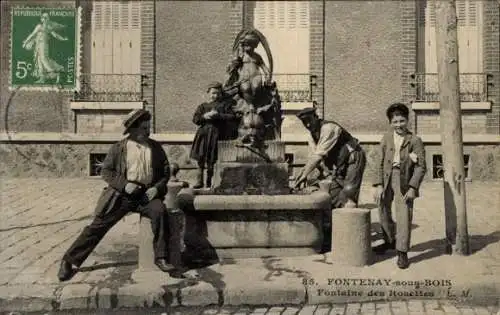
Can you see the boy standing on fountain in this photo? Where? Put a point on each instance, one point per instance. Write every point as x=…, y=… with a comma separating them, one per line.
x=341, y=154
x=214, y=120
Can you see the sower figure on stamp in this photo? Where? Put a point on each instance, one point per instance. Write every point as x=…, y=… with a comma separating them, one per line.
x=343, y=157
x=136, y=170
x=401, y=170
x=215, y=120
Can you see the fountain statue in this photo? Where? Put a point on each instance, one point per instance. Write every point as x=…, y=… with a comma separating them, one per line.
x=229, y=216
x=256, y=95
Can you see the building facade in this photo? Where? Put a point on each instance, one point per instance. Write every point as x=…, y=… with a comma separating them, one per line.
x=350, y=58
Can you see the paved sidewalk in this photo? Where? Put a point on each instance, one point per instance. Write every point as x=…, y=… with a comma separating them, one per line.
x=41, y=217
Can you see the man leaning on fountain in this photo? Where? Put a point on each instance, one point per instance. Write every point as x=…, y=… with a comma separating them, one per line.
x=341, y=154
x=136, y=170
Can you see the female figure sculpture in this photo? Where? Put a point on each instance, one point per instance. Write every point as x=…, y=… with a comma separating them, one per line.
x=256, y=95
x=44, y=66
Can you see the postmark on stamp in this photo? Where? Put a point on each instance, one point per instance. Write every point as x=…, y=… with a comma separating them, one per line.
x=45, y=48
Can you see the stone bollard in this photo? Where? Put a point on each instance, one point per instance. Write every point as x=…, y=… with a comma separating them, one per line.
x=146, y=253
x=175, y=223
x=351, y=237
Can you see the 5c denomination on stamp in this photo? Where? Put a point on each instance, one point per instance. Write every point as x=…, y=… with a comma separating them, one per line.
x=45, y=48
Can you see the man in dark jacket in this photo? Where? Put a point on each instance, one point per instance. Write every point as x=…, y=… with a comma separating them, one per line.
x=136, y=170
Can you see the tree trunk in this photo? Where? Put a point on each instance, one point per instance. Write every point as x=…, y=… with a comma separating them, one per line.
x=451, y=127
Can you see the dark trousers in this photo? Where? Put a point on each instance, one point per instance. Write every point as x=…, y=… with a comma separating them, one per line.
x=401, y=231
x=350, y=187
x=102, y=223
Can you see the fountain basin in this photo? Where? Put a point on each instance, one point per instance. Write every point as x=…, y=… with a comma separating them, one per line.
x=240, y=226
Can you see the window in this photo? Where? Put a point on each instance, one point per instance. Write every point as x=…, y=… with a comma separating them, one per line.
x=438, y=168
x=95, y=163
x=116, y=37
x=470, y=43
x=470, y=39
x=285, y=24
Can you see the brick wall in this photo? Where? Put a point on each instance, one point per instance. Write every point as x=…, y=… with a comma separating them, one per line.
x=362, y=62
x=96, y=122
x=148, y=24
x=492, y=61
x=317, y=52
x=193, y=47
x=409, y=53
x=29, y=111
x=428, y=122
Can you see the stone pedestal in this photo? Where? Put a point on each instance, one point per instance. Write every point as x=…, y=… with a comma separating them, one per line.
x=229, y=151
x=351, y=243
x=240, y=171
x=236, y=178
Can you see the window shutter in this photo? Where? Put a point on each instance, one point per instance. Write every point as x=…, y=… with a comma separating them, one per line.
x=430, y=38
x=98, y=37
x=470, y=37
x=286, y=26
x=431, y=82
x=118, y=17
x=116, y=37
x=134, y=36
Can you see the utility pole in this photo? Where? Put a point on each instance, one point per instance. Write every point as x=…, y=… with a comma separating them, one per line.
x=451, y=127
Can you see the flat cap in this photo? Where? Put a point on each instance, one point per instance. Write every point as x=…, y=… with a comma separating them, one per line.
x=308, y=111
x=214, y=85
x=134, y=116
x=397, y=108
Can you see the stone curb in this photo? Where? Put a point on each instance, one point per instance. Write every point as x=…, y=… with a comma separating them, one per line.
x=81, y=296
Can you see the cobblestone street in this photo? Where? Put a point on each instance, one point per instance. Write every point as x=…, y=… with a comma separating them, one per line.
x=41, y=217
x=430, y=307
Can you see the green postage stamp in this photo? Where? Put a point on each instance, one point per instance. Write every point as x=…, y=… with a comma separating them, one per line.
x=45, y=48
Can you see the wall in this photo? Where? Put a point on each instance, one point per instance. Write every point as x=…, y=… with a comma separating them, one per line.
x=29, y=111
x=193, y=47
x=362, y=62
x=492, y=61
x=71, y=159
x=428, y=122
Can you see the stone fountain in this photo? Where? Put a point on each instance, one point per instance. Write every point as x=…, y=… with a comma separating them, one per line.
x=250, y=210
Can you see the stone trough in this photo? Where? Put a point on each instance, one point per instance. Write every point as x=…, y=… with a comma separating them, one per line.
x=261, y=217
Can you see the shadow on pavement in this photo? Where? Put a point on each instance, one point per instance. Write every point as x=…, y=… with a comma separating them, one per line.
x=437, y=247
x=377, y=229
x=107, y=265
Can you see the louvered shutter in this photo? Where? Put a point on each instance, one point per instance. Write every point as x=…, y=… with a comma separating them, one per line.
x=470, y=44
x=134, y=37
x=470, y=37
x=116, y=37
x=286, y=27
x=431, y=82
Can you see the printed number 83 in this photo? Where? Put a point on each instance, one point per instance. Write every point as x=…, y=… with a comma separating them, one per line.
x=22, y=69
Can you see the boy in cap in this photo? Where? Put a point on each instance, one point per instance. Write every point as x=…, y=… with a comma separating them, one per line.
x=136, y=170
x=216, y=121
x=401, y=170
